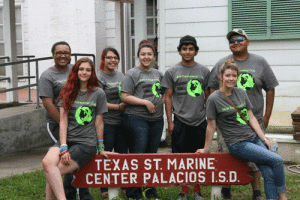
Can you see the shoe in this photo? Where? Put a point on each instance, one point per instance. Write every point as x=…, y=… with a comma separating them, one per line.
x=259, y=198
x=198, y=196
x=104, y=194
x=226, y=197
x=183, y=196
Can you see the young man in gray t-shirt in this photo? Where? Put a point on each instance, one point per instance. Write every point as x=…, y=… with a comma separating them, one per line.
x=50, y=85
x=186, y=86
x=256, y=74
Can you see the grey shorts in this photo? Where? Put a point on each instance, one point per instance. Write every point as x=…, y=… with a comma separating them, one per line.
x=222, y=147
x=80, y=153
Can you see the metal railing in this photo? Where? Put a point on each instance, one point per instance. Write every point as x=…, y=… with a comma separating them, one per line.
x=28, y=77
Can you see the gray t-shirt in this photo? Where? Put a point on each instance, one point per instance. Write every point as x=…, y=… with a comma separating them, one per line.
x=188, y=85
x=256, y=74
x=50, y=85
x=231, y=125
x=82, y=116
x=144, y=85
x=111, y=84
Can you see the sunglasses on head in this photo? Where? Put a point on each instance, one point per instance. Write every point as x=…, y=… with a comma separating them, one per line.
x=240, y=39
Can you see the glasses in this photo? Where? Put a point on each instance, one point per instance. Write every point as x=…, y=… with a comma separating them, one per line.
x=240, y=39
x=112, y=57
x=60, y=53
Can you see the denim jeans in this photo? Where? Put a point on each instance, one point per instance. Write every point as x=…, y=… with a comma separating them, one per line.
x=144, y=137
x=114, y=137
x=270, y=164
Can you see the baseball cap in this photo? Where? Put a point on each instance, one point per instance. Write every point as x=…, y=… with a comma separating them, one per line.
x=186, y=40
x=237, y=31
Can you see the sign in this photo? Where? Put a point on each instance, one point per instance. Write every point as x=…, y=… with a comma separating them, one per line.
x=138, y=170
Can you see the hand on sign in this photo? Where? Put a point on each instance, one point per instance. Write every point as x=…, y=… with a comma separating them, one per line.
x=201, y=151
x=107, y=153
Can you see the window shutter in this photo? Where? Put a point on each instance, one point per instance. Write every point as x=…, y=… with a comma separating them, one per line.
x=265, y=19
x=285, y=19
x=250, y=15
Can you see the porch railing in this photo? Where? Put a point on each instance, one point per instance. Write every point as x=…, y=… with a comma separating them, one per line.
x=28, y=77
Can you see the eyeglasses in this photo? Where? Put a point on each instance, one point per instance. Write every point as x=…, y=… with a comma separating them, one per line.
x=240, y=39
x=111, y=57
x=60, y=53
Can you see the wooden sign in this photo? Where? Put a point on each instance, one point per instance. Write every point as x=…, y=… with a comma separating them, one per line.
x=138, y=170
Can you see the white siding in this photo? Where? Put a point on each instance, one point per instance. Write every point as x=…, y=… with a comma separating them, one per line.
x=50, y=21
x=207, y=21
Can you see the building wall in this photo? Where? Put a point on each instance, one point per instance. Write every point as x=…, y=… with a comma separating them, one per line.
x=208, y=22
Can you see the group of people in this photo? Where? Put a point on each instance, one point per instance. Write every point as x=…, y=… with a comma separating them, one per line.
x=89, y=112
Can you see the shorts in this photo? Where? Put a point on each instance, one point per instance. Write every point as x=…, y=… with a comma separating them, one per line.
x=53, y=131
x=186, y=138
x=80, y=153
x=222, y=147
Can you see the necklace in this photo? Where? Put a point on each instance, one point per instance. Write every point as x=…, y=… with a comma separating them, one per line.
x=80, y=93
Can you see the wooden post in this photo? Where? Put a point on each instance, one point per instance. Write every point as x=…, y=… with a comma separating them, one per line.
x=296, y=123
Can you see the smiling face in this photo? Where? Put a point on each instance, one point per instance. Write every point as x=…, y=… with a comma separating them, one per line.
x=146, y=56
x=84, y=72
x=110, y=61
x=239, y=47
x=62, y=56
x=188, y=52
x=229, y=78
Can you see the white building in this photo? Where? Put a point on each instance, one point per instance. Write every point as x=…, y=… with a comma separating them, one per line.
x=91, y=25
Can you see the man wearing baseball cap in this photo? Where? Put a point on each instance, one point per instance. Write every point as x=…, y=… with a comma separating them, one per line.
x=186, y=85
x=256, y=75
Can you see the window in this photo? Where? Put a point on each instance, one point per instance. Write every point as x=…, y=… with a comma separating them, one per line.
x=151, y=10
x=18, y=36
x=265, y=19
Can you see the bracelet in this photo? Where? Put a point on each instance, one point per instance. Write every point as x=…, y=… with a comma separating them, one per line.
x=100, y=140
x=64, y=145
x=63, y=148
x=265, y=140
x=100, y=148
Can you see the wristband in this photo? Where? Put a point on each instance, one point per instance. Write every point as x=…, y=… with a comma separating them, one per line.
x=100, y=148
x=63, y=148
x=100, y=140
x=265, y=140
x=64, y=145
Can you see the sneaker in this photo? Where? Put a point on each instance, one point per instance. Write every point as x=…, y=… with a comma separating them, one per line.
x=259, y=198
x=226, y=197
x=183, y=196
x=198, y=196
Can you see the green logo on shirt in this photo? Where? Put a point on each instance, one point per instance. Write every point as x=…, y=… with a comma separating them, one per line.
x=240, y=119
x=245, y=81
x=83, y=115
x=120, y=87
x=194, y=88
x=156, y=89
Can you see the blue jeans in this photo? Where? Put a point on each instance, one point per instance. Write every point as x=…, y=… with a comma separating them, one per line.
x=114, y=137
x=144, y=137
x=270, y=164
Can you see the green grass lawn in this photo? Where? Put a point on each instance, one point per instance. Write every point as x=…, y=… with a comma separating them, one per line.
x=32, y=186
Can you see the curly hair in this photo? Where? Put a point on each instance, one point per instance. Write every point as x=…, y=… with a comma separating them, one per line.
x=104, y=53
x=70, y=90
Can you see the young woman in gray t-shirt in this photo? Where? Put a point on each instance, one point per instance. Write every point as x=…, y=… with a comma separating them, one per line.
x=82, y=104
x=243, y=142
x=143, y=118
x=110, y=79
